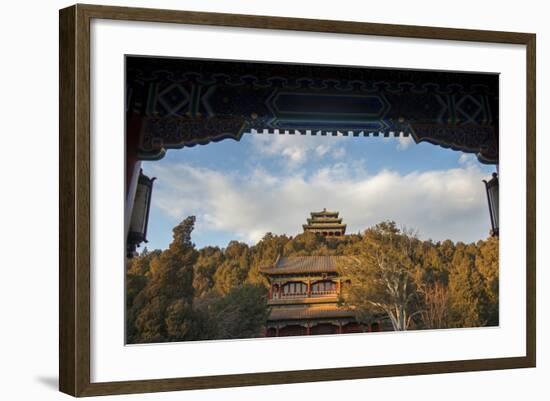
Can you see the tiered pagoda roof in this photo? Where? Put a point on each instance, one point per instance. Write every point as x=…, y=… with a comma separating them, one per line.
x=307, y=264
x=326, y=223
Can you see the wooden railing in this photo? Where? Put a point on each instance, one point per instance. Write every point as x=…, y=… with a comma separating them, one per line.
x=294, y=295
x=323, y=293
x=305, y=294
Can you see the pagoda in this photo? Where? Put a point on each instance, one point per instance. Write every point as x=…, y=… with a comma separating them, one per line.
x=304, y=291
x=326, y=223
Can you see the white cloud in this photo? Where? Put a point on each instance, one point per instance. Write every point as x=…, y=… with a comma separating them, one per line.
x=467, y=159
x=403, y=142
x=297, y=149
x=338, y=153
x=322, y=149
x=440, y=204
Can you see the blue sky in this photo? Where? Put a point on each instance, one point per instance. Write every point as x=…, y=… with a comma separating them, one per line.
x=241, y=190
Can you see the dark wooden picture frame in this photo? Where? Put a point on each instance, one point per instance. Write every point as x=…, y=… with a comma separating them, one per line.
x=74, y=204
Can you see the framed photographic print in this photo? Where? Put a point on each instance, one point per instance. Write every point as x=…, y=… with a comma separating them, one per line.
x=250, y=200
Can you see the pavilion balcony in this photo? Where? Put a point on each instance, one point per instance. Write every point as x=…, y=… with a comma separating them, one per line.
x=294, y=295
x=303, y=300
x=312, y=294
x=329, y=293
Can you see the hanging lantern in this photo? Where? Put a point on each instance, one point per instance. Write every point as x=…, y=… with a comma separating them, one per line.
x=140, y=213
x=491, y=187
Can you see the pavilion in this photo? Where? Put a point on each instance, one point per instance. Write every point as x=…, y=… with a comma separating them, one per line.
x=326, y=223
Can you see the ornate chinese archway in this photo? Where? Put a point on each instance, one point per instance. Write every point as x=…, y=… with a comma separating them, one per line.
x=174, y=103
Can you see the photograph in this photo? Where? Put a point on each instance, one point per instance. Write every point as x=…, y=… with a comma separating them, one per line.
x=257, y=198
x=265, y=201
x=285, y=199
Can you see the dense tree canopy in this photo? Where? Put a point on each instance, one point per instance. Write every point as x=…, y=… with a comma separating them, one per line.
x=382, y=278
x=182, y=293
x=422, y=284
x=163, y=308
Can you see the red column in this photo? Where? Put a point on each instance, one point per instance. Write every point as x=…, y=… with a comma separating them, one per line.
x=308, y=330
x=133, y=130
x=133, y=165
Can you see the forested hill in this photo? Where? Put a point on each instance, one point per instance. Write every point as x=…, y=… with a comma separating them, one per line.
x=183, y=293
